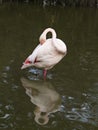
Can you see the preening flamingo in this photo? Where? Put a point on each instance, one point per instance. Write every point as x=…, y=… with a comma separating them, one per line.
x=48, y=53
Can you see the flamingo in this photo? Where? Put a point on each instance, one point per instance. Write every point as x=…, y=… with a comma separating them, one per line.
x=48, y=53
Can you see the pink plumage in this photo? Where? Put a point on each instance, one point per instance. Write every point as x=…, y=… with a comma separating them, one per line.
x=48, y=53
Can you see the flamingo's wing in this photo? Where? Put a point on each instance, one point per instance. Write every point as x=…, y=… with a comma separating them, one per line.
x=33, y=56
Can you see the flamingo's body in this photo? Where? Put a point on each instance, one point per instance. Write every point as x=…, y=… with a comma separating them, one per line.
x=48, y=53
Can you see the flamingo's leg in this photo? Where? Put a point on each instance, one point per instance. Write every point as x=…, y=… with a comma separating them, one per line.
x=45, y=74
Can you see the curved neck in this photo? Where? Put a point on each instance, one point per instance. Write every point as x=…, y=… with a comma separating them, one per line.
x=50, y=30
x=44, y=34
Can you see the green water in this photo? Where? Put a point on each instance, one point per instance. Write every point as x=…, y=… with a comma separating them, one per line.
x=70, y=93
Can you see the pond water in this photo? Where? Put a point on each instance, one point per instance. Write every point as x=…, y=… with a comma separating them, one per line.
x=69, y=96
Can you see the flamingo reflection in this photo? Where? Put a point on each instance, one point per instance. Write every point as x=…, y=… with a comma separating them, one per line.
x=44, y=96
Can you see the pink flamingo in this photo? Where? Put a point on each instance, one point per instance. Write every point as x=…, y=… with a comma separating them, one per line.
x=48, y=53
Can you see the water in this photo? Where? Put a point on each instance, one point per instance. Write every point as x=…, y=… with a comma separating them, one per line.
x=68, y=100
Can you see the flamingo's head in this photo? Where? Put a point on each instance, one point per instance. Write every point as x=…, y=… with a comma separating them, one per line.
x=27, y=63
x=42, y=39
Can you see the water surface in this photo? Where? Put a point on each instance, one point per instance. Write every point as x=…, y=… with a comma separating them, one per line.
x=74, y=80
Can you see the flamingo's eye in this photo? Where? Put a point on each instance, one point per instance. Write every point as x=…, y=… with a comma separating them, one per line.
x=28, y=62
